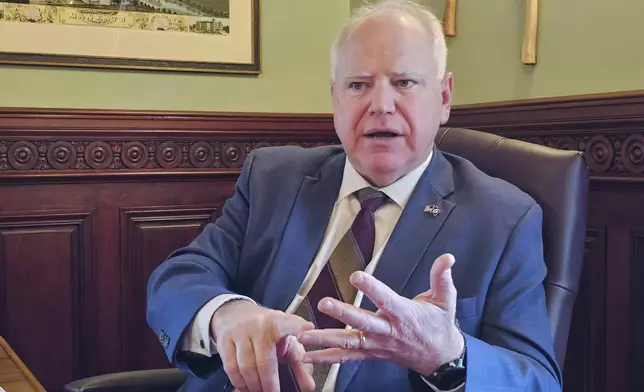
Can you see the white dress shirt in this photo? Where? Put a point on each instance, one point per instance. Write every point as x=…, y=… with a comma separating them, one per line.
x=344, y=212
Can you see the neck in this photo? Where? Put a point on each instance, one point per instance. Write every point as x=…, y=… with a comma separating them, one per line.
x=382, y=181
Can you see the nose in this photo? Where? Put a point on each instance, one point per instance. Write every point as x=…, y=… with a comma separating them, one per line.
x=383, y=99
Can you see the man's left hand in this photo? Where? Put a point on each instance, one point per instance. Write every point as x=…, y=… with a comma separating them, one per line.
x=420, y=333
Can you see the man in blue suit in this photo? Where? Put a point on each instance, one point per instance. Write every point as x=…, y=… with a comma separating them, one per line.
x=384, y=264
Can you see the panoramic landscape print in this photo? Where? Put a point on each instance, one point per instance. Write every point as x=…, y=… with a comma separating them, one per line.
x=190, y=16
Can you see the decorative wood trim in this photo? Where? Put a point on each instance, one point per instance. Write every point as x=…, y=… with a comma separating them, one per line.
x=61, y=144
x=608, y=128
x=592, y=113
x=188, y=124
x=103, y=155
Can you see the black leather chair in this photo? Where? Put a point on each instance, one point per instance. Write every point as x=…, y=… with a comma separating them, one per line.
x=558, y=180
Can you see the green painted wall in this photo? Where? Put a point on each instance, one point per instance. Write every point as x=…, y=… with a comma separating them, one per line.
x=585, y=46
x=296, y=37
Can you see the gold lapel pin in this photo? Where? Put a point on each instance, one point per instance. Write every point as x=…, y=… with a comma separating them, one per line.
x=433, y=209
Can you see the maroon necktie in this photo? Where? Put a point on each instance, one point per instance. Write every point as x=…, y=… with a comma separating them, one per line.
x=353, y=253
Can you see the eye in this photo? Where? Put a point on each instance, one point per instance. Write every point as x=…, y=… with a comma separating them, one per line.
x=405, y=83
x=356, y=86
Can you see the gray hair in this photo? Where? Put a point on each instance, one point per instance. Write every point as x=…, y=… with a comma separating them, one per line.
x=425, y=17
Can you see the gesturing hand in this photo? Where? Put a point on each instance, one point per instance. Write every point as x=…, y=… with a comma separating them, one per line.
x=419, y=333
x=251, y=340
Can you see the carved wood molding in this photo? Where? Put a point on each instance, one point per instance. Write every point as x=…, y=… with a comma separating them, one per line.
x=608, y=128
x=53, y=144
x=124, y=154
x=620, y=154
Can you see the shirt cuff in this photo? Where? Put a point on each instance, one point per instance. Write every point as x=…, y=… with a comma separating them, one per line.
x=459, y=388
x=198, y=332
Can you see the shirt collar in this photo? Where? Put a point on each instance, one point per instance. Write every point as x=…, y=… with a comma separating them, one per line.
x=399, y=191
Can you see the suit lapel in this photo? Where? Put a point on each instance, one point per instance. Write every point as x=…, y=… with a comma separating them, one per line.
x=304, y=232
x=411, y=238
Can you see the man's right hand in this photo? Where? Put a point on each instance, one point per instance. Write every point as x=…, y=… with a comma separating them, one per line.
x=251, y=340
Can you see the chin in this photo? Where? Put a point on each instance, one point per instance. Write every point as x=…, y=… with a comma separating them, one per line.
x=384, y=171
x=387, y=162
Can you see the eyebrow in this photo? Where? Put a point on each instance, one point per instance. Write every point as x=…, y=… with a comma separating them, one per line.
x=413, y=75
x=363, y=75
x=356, y=75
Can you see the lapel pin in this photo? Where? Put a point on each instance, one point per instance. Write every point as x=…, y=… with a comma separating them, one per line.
x=433, y=209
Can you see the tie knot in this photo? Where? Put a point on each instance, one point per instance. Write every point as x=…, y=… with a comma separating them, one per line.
x=371, y=199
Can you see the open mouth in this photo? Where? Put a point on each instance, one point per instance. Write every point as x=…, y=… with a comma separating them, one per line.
x=382, y=134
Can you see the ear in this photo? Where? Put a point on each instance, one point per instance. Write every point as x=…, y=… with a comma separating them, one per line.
x=446, y=95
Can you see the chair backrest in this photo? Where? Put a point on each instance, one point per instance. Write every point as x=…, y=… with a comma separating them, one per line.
x=558, y=181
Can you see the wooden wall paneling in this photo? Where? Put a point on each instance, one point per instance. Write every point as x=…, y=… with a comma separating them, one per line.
x=128, y=207
x=618, y=205
x=636, y=311
x=151, y=181
x=48, y=269
x=586, y=349
x=148, y=236
x=617, y=301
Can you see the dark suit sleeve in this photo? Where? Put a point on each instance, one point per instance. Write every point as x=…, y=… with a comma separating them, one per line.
x=197, y=273
x=514, y=350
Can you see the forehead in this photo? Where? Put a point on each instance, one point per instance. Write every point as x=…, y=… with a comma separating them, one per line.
x=387, y=43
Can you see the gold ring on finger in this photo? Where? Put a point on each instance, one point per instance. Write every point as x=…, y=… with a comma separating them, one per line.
x=363, y=339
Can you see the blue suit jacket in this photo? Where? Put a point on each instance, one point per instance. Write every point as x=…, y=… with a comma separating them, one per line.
x=269, y=232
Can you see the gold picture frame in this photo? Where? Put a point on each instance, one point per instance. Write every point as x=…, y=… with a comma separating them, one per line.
x=221, y=36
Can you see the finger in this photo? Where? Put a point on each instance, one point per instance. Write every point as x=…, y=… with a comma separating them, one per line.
x=340, y=338
x=228, y=353
x=379, y=293
x=302, y=371
x=442, y=285
x=266, y=354
x=289, y=324
x=248, y=365
x=304, y=375
x=335, y=355
x=355, y=317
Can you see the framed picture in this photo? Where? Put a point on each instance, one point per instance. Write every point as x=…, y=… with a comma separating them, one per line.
x=176, y=35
